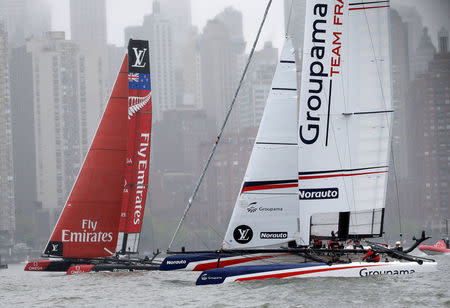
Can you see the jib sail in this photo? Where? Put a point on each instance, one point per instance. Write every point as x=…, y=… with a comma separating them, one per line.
x=266, y=210
x=138, y=147
x=344, y=119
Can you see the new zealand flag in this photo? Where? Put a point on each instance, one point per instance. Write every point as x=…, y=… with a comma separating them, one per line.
x=139, y=81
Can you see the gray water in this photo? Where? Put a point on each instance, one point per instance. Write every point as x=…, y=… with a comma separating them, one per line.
x=177, y=289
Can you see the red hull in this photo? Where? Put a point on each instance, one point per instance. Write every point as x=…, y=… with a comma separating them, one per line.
x=431, y=250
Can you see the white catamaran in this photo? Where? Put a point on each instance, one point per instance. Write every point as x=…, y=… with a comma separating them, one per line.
x=318, y=171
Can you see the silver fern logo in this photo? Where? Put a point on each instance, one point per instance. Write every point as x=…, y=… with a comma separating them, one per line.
x=136, y=103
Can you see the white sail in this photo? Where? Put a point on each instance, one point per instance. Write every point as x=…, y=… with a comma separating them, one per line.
x=266, y=210
x=344, y=119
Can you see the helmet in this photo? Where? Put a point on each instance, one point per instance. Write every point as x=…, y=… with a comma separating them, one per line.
x=398, y=243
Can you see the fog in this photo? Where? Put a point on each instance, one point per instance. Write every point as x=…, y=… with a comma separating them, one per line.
x=195, y=71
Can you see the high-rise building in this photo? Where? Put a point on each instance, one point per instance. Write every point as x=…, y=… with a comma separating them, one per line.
x=68, y=101
x=424, y=53
x=192, y=89
x=257, y=86
x=23, y=141
x=88, y=20
x=157, y=30
x=221, y=54
x=294, y=21
x=7, y=205
x=25, y=19
x=430, y=94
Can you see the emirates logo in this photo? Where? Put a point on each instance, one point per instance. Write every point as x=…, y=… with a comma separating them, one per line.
x=136, y=103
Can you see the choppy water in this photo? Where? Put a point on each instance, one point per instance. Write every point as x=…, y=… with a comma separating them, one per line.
x=177, y=289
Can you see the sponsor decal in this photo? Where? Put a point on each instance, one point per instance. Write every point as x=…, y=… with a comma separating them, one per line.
x=252, y=208
x=88, y=234
x=319, y=193
x=243, y=234
x=141, y=188
x=365, y=272
x=206, y=277
x=324, y=65
x=273, y=235
x=54, y=248
x=139, y=55
x=176, y=262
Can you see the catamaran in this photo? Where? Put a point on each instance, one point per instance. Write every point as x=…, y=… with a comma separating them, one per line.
x=100, y=224
x=441, y=247
x=318, y=170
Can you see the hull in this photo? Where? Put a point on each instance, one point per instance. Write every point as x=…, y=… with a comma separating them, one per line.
x=48, y=266
x=86, y=268
x=309, y=270
x=432, y=250
x=71, y=267
x=206, y=261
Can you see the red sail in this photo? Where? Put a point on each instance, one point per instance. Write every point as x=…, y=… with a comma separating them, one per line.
x=138, y=147
x=89, y=223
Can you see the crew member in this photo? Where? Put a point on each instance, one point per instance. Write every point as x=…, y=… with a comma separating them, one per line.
x=371, y=256
x=317, y=243
x=398, y=246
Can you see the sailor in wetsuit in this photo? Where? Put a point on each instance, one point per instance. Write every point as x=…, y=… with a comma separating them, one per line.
x=371, y=256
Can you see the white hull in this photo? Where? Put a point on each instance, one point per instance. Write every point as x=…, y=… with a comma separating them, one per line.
x=355, y=269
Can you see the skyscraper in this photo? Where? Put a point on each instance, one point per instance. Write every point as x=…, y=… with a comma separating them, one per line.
x=88, y=20
x=69, y=98
x=24, y=19
x=7, y=205
x=257, y=86
x=430, y=95
x=158, y=30
x=294, y=20
x=221, y=54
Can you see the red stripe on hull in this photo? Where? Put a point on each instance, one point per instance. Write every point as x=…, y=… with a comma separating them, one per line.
x=211, y=265
x=78, y=269
x=37, y=266
x=286, y=275
x=335, y=175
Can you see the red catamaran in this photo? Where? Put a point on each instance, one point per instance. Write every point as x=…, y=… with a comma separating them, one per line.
x=102, y=218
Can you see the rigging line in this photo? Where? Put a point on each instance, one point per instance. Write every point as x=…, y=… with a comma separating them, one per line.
x=208, y=224
x=230, y=108
x=289, y=18
x=387, y=116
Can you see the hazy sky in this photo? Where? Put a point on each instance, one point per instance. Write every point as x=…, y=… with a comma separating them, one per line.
x=122, y=13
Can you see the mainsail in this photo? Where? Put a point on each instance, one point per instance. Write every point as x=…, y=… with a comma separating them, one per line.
x=266, y=209
x=344, y=119
x=89, y=223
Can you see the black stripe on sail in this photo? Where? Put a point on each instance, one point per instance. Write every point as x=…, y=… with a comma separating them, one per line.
x=277, y=143
x=286, y=61
x=261, y=183
x=287, y=89
x=372, y=2
x=328, y=115
x=371, y=112
x=341, y=170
